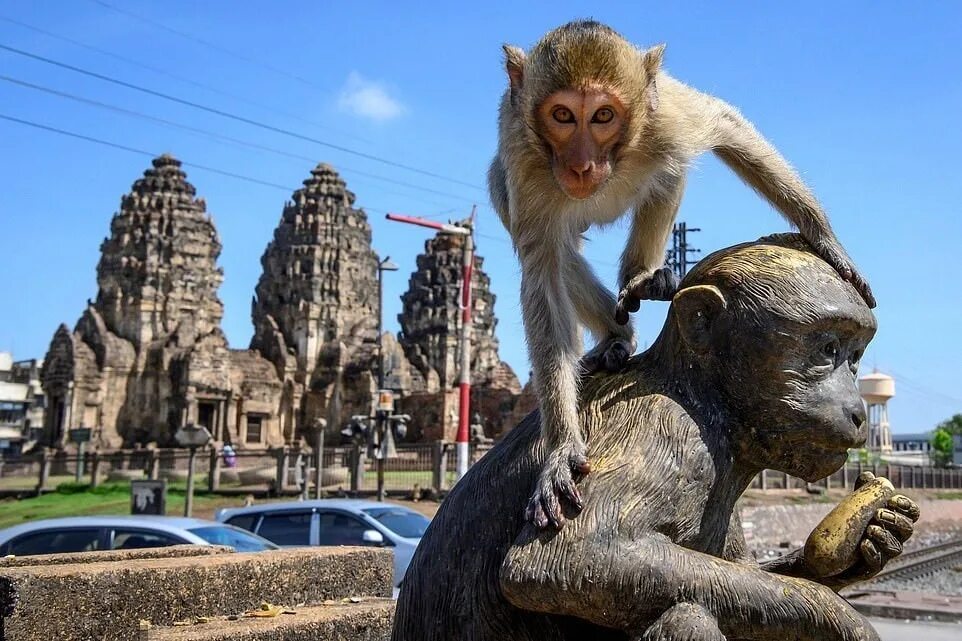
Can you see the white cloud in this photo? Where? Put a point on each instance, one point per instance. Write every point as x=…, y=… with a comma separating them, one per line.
x=368, y=99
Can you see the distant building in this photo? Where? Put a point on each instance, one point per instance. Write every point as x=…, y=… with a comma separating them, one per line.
x=912, y=442
x=21, y=404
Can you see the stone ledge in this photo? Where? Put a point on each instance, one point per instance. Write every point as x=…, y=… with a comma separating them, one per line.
x=369, y=620
x=114, y=555
x=106, y=600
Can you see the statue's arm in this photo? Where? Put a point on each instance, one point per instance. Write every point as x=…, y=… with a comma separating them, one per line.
x=629, y=584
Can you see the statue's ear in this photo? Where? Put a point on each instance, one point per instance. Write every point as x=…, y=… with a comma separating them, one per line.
x=514, y=60
x=696, y=310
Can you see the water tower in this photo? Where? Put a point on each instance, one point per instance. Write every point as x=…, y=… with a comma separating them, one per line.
x=876, y=390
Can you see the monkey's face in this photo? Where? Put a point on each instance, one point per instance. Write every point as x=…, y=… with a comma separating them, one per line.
x=581, y=127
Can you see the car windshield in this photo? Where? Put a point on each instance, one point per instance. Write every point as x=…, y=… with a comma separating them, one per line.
x=234, y=537
x=410, y=525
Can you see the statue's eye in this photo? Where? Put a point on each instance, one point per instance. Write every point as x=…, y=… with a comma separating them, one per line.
x=604, y=115
x=563, y=115
x=830, y=350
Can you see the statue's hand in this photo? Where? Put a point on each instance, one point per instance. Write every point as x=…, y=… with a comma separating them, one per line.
x=862, y=533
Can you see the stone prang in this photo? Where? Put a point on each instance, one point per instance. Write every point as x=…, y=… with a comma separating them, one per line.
x=430, y=326
x=148, y=354
x=315, y=309
x=158, y=269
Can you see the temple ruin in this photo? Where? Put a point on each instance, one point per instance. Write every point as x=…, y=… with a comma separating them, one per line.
x=148, y=354
x=315, y=307
x=430, y=327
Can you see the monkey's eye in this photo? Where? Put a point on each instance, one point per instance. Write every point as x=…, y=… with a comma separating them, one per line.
x=604, y=115
x=563, y=115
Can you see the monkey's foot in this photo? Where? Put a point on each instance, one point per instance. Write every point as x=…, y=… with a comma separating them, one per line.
x=662, y=284
x=556, y=484
x=835, y=256
x=610, y=355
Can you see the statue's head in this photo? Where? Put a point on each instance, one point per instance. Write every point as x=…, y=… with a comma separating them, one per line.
x=779, y=335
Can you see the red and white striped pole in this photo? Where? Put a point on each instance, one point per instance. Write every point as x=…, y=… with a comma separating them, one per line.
x=467, y=270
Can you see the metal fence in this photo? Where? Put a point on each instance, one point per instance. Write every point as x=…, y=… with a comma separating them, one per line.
x=426, y=469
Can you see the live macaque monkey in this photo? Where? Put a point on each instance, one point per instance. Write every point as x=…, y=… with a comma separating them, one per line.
x=590, y=127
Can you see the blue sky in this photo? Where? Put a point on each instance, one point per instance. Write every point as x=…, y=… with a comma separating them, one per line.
x=864, y=98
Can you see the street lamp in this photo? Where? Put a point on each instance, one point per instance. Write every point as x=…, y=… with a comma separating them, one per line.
x=319, y=425
x=383, y=266
x=191, y=436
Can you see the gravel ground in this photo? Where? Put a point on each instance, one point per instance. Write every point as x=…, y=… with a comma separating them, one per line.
x=948, y=581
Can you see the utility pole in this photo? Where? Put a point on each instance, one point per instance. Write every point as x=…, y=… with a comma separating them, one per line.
x=381, y=412
x=677, y=257
x=467, y=257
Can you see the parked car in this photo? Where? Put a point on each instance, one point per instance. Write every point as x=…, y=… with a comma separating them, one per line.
x=89, y=533
x=335, y=522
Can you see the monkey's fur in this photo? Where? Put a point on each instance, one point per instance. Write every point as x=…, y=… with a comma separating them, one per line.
x=640, y=167
x=754, y=369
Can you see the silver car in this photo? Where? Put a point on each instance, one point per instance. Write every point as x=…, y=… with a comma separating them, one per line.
x=90, y=533
x=335, y=522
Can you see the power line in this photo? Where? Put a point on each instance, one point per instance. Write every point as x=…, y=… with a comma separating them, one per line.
x=206, y=43
x=215, y=136
x=233, y=116
x=142, y=152
x=169, y=74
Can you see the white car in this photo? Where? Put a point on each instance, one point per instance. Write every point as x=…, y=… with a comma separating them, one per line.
x=91, y=533
x=335, y=522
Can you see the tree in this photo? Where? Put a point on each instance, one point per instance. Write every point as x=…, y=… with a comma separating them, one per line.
x=941, y=453
x=952, y=425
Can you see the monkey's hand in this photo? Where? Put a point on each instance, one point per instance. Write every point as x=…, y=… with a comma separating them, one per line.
x=610, y=355
x=662, y=284
x=833, y=254
x=556, y=483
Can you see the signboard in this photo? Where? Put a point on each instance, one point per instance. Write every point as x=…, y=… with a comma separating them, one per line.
x=148, y=497
x=80, y=435
x=192, y=436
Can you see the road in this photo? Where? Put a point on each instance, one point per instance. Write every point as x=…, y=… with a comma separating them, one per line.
x=895, y=630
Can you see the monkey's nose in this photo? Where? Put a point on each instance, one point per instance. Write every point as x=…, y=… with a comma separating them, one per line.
x=580, y=169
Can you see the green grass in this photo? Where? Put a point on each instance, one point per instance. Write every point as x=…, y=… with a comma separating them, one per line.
x=72, y=499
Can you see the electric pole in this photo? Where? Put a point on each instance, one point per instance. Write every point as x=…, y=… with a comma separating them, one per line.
x=677, y=258
x=466, y=231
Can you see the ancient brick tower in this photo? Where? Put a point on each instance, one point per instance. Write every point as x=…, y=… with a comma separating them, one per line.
x=315, y=309
x=430, y=323
x=158, y=270
x=148, y=355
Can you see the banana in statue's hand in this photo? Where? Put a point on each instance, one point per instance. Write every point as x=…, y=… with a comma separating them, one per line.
x=866, y=529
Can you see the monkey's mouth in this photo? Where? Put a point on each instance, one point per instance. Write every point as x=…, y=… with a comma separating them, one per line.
x=580, y=188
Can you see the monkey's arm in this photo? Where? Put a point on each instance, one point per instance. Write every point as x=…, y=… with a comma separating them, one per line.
x=740, y=146
x=628, y=584
x=640, y=277
x=551, y=331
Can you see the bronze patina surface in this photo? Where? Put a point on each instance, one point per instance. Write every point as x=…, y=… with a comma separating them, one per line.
x=755, y=368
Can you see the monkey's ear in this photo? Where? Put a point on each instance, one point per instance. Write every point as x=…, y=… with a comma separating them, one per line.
x=652, y=60
x=514, y=59
x=696, y=310
x=652, y=63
